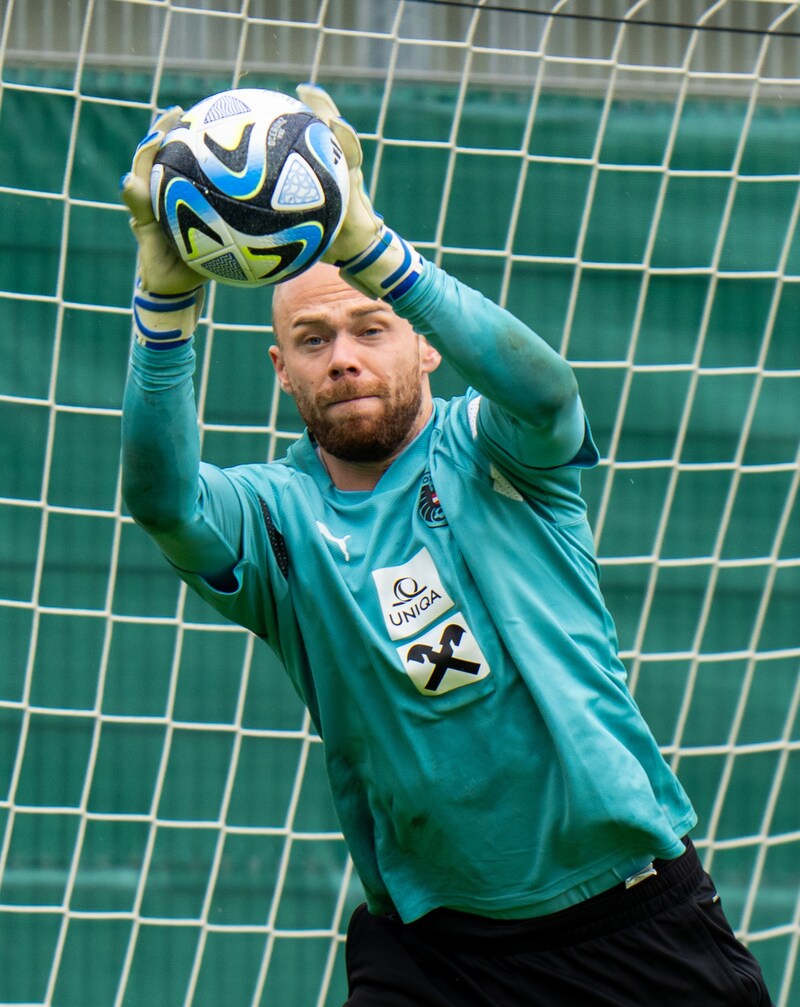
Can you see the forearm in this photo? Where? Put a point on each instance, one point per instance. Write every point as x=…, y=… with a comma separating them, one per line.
x=491, y=349
x=160, y=443
x=166, y=489
x=190, y=510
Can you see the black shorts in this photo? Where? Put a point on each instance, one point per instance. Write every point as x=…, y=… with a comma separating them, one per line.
x=663, y=943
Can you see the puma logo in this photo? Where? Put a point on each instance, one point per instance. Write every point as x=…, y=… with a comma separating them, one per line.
x=341, y=542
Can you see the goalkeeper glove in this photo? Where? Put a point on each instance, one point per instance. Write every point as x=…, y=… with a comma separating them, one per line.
x=370, y=256
x=169, y=295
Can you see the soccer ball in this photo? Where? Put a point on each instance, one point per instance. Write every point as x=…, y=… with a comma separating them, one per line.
x=250, y=187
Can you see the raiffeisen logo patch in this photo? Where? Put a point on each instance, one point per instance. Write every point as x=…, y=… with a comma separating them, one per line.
x=446, y=657
x=411, y=595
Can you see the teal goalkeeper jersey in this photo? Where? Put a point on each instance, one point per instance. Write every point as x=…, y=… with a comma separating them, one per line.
x=448, y=635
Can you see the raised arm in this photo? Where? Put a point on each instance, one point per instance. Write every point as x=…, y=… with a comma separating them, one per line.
x=531, y=393
x=163, y=484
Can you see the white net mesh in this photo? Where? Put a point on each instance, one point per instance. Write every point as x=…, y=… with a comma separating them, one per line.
x=628, y=184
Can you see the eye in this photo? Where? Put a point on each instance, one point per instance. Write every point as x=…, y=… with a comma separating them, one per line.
x=311, y=340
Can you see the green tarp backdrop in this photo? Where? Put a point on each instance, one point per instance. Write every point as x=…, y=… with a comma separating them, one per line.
x=66, y=272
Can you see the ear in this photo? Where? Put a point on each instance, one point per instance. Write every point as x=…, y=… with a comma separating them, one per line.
x=276, y=357
x=428, y=356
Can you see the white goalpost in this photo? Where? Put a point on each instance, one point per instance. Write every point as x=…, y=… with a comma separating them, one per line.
x=625, y=177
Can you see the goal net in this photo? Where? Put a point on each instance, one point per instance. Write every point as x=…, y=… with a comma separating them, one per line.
x=625, y=177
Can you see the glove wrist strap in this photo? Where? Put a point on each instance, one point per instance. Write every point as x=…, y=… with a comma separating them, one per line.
x=164, y=321
x=388, y=268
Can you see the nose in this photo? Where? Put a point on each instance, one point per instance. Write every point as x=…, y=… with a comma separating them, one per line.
x=344, y=359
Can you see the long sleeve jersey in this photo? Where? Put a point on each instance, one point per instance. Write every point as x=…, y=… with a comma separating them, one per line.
x=446, y=629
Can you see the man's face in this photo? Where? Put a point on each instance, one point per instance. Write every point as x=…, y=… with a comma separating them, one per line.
x=357, y=371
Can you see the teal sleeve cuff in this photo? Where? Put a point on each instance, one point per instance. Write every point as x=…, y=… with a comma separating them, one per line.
x=156, y=370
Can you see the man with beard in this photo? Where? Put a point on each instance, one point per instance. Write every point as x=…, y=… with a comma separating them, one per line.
x=425, y=572
x=362, y=409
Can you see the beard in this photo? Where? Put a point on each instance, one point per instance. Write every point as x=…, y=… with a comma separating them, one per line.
x=363, y=438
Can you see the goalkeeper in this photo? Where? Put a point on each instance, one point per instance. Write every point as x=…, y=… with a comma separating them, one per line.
x=425, y=572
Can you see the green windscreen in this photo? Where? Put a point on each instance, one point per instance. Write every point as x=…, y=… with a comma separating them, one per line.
x=163, y=800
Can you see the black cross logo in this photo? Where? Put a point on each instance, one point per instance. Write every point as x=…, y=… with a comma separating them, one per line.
x=442, y=659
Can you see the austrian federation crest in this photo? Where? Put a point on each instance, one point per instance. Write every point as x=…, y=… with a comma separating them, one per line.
x=428, y=505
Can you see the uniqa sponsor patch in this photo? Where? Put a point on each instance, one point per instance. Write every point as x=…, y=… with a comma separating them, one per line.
x=411, y=595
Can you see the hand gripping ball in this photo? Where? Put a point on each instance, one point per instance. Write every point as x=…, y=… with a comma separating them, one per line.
x=250, y=187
